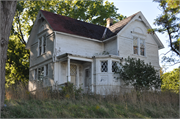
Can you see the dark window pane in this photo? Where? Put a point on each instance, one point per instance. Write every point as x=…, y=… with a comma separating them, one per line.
x=47, y=70
x=135, y=50
x=142, y=51
x=114, y=66
x=104, y=66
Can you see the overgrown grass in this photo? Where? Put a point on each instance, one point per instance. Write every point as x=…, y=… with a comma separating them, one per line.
x=45, y=104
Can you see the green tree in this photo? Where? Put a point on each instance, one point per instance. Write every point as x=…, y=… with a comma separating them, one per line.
x=170, y=81
x=92, y=11
x=135, y=72
x=169, y=22
x=17, y=64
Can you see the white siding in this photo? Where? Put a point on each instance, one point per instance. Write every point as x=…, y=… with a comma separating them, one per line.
x=126, y=44
x=111, y=46
x=68, y=44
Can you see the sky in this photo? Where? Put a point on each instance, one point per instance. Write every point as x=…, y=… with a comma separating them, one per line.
x=150, y=10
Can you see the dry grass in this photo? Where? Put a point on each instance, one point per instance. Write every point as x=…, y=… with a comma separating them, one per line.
x=47, y=103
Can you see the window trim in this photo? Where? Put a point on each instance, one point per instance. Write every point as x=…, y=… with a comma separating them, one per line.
x=36, y=71
x=42, y=37
x=112, y=64
x=107, y=65
x=139, y=47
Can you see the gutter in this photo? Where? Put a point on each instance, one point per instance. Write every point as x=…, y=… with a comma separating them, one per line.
x=81, y=37
x=76, y=36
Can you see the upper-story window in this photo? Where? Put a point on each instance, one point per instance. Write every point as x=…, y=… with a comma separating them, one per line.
x=135, y=45
x=42, y=45
x=142, y=47
x=138, y=46
x=104, y=66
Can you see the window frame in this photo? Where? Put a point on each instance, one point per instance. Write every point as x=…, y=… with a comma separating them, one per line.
x=106, y=66
x=41, y=46
x=112, y=65
x=139, y=38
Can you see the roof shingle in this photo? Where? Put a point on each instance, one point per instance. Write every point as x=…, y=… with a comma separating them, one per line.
x=72, y=26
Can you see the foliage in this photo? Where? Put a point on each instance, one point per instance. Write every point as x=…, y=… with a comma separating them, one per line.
x=70, y=91
x=136, y=73
x=169, y=21
x=170, y=81
x=92, y=11
x=17, y=64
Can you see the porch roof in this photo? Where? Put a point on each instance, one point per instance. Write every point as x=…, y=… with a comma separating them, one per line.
x=75, y=57
x=85, y=58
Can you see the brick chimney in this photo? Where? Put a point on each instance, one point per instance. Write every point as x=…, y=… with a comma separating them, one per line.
x=109, y=22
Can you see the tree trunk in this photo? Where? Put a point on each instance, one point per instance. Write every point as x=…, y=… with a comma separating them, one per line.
x=7, y=12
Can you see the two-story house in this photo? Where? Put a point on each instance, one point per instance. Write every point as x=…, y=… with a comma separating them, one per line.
x=63, y=50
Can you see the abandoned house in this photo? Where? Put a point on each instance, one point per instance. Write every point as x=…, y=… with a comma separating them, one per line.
x=63, y=50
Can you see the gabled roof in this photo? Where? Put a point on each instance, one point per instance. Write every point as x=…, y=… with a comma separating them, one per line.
x=115, y=28
x=72, y=26
x=76, y=27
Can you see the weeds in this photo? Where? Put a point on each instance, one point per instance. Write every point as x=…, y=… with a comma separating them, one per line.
x=70, y=102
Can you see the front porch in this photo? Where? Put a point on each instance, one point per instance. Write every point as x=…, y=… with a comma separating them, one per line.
x=76, y=69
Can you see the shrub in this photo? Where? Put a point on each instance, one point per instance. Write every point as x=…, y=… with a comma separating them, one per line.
x=136, y=73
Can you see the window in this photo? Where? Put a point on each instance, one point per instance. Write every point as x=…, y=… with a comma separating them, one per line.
x=87, y=77
x=46, y=69
x=104, y=66
x=135, y=45
x=114, y=66
x=42, y=45
x=35, y=74
x=138, y=46
x=142, y=47
x=40, y=73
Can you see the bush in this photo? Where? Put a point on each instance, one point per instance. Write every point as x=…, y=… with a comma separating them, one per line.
x=136, y=73
x=170, y=81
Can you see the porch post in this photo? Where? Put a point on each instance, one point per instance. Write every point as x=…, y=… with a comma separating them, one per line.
x=92, y=76
x=68, y=70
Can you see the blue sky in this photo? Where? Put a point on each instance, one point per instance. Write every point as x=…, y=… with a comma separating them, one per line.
x=150, y=10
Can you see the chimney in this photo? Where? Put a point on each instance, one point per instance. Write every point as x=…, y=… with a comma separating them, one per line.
x=109, y=22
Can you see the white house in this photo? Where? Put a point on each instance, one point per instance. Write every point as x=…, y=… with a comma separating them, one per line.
x=63, y=49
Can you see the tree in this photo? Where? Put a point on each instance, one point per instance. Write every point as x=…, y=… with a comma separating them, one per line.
x=17, y=63
x=7, y=11
x=169, y=21
x=170, y=81
x=135, y=72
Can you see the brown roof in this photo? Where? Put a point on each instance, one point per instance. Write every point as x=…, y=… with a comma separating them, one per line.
x=72, y=26
x=115, y=28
